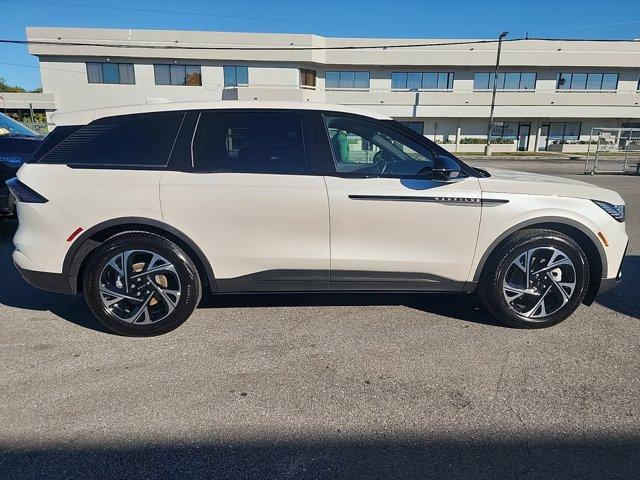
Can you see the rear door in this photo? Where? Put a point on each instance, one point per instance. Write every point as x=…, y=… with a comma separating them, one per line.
x=254, y=200
x=392, y=226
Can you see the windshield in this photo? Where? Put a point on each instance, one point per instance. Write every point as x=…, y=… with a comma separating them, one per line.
x=10, y=128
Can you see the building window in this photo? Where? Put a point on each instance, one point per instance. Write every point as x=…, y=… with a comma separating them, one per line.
x=235, y=75
x=505, y=130
x=189, y=75
x=417, y=127
x=505, y=81
x=587, y=81
x=353, y=80
x=422, y=81
x=559, y=131
x=113, y=73
x=307, y=77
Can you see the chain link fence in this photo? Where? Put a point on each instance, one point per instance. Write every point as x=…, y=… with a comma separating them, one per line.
x=40, y=128
x=613, y=150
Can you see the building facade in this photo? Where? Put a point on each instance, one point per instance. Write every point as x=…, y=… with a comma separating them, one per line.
x=550, y=92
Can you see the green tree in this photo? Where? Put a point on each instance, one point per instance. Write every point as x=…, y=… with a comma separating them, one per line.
x=5, y=87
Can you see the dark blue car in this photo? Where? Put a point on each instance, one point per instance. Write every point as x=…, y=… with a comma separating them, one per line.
x=17, y=144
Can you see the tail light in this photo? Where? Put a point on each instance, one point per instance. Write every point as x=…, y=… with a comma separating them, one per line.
x=24, y=194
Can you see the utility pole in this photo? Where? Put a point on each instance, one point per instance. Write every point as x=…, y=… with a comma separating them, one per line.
x=487, y=149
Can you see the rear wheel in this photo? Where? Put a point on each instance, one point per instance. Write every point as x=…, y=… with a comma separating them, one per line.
x=141, y=284
x=535, y=279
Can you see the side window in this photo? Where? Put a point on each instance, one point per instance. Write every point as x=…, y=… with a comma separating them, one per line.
x=130, y=140
x=368, y=147
x=250, y=142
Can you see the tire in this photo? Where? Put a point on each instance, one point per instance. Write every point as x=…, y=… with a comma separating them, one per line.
x=118, y=297
x=502, y=283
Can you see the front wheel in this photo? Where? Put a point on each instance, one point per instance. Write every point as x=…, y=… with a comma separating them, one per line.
x=535, y=279
x=141, y=284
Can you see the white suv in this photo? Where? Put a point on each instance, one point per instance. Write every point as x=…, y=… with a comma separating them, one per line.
x=142, y=208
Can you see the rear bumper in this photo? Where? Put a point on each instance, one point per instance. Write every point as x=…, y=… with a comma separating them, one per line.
x=51, y=282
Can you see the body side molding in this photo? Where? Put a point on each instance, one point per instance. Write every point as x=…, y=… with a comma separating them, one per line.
x=434, y=199
x=341, y=280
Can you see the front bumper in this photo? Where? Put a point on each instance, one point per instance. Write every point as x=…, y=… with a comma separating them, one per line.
x=607, y=284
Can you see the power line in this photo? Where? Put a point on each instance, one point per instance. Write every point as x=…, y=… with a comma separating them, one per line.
x=290, y=48
x=177, y=46
x=192, y=14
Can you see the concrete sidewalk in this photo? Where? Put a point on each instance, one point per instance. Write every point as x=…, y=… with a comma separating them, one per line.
x=534, y=164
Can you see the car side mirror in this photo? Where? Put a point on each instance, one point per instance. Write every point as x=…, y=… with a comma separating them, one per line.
x=445, y=168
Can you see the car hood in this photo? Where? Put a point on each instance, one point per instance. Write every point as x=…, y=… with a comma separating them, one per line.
x=510, y=181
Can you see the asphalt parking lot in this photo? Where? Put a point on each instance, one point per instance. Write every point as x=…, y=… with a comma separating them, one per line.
x=323, y=386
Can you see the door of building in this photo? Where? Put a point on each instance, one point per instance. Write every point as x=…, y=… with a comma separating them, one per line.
x=523, y=136
x=544, y=137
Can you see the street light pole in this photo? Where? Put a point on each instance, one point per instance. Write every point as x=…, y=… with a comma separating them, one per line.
x=487, y=149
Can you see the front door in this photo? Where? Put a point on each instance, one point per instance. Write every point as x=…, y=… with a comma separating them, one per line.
x=255, y=202
x=392, y=226
x=544, y=137
x=523, y=136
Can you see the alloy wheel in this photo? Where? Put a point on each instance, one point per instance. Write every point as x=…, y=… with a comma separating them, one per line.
x=539, y=282
x=139, y=287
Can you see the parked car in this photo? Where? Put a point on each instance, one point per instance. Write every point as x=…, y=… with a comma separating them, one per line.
x=141, y=209
x=17, y=144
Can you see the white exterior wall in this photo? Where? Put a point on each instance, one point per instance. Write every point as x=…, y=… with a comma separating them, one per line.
x=274, y=75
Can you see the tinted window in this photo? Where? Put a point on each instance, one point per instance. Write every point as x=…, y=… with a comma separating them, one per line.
x=610, y=81
x=421, y=80
x=106, y=72
x=350, y=80
x=590, y=81
x=579, y=81
x=250, y=142
x=366, y=147
x=481, y=81
x=528, y=81
x=178, y=75
x=133, y=140
x=307, y=77
x=505, y=81
x=235, y=75
x=54, y=138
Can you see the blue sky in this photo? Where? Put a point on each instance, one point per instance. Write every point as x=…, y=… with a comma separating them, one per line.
x=610, y=19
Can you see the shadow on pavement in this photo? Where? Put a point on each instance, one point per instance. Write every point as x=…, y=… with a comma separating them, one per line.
x=465, y=307
x=336, y=458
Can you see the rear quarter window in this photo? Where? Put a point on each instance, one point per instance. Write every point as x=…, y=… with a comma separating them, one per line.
x=58, y=135
x=144, y=140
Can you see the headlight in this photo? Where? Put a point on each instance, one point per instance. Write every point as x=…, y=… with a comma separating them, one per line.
x=616, y=211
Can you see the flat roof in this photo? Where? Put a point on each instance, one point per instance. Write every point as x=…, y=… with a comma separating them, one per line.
x=309, y=48
x=82, y=117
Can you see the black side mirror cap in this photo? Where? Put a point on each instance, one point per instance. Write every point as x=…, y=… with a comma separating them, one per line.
x=445, y=168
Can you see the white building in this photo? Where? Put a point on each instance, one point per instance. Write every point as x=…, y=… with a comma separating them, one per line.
x=549, y=92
